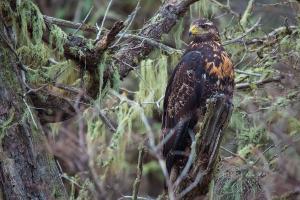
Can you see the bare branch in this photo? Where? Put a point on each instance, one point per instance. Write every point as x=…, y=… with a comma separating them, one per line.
x=238, y=39
x=87, y=15
x=109, y=37
x=69, y=24
x=242, y=86
x=225, y=7
x=247, y=13
x=103, y=20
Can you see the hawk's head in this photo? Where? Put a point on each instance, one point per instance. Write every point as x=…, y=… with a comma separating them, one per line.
x=203, y=30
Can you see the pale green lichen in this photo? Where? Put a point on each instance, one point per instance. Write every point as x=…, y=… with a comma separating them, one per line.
x=7, y=13
x=34, y=56
x=101, y=68
x=7, y=123
x=153, y=83
x=31, y=21
x=57, y=39
x=116, y=80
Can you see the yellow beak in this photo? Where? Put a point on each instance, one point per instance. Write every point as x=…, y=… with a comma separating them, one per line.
x=194, y=30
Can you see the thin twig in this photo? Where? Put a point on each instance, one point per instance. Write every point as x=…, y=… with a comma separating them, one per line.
x=247, y=13
x=225, y=7
x=83, y=22
x=242, y=86
x=69, y=24
x=154, y=43
x=30, y=112
x=233, y=154
x=247, y=73
x=137, y=181
x=103, y=20
x=237, y=39
x=128, y=22
x=108, y=122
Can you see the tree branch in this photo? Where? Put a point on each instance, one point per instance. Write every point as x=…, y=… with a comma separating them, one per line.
x=226, y=7
x=204, y=151
x=69, y=24
x=93, y=29
x=166, y=17
x=242, y=86
x=136, y=48
x=137, y=181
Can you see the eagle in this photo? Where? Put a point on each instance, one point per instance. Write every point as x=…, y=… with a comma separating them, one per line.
x=205, y=69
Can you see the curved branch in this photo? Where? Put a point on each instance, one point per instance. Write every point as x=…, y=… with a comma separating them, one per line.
x=162, y=22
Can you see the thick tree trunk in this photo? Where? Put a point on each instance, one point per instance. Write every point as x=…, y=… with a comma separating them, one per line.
x=27, y=170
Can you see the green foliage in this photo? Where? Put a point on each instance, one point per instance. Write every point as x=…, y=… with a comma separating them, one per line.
x=236, y=184
x=116, y=80
x=293, y=126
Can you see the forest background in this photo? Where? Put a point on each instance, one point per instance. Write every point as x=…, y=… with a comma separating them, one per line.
x=98, y=148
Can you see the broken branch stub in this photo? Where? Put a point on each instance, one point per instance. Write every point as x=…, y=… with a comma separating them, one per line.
x=207, y=143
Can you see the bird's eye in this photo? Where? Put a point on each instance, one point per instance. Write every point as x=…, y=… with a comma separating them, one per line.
x=203, y=26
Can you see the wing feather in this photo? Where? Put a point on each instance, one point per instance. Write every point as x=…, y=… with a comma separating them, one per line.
x=184, y=89
x=182, y=98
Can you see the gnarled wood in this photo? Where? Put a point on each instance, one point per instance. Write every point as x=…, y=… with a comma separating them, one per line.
x=204, y=154
x=27, y=170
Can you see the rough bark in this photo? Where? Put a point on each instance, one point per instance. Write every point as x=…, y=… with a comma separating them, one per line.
x=27, y=170
x=193, y=181
x=133, y=49
x=163, y=21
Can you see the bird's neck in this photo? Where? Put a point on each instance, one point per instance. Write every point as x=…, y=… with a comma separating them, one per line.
x=206, y=38
x=195, y=44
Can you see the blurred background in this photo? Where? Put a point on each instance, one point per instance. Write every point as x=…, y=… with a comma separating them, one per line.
x=260, y=155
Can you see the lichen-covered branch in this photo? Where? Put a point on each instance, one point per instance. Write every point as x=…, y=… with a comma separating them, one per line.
x=89, y=53
x=166, y=17
x=136, y=48
x=69, y=24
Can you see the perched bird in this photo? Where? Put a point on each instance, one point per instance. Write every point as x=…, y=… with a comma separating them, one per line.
x=205, y=69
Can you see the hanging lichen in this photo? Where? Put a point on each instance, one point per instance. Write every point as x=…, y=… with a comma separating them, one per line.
x=57, y=39
x=202, y=9
x=29, y=20
x=152, y=83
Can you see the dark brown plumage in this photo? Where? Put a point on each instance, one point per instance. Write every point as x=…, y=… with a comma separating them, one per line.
x=205, y=69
